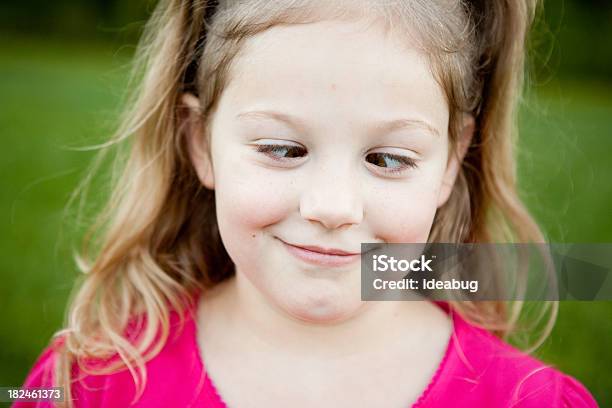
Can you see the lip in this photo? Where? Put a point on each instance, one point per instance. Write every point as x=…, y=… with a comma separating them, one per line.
x=328, y=257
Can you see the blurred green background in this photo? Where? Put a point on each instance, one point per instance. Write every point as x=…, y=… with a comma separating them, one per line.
x=63, y=70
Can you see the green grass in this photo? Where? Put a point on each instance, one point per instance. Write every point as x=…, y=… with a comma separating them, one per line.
x=564, y=174
x=55, y=96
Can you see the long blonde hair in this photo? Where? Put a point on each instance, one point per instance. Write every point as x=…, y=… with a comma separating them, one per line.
x=157, y=242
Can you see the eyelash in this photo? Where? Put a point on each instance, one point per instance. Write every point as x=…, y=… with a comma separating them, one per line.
x=269, y=149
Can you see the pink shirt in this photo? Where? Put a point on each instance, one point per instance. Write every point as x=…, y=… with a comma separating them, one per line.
x=478, y=370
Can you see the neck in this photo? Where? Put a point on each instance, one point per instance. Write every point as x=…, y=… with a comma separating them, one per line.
x=240, y=311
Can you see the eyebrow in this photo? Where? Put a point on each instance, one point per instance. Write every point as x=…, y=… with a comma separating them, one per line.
x=300, y=125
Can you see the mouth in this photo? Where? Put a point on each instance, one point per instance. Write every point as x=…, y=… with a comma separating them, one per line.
x=327, y=257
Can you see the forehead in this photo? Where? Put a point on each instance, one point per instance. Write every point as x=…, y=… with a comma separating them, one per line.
x=337, y=69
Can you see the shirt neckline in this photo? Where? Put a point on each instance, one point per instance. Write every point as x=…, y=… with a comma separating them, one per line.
x=450, y=349
x=209, y=388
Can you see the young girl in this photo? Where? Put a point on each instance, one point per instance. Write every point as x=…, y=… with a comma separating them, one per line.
x=268, y=139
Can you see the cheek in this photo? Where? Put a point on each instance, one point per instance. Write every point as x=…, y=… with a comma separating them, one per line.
x=250, y=197
x=404, y=212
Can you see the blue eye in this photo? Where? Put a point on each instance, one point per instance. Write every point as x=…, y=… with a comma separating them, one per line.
x=281, y=152
x=391, y=163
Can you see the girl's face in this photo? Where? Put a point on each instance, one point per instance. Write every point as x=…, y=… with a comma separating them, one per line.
x=328, y=134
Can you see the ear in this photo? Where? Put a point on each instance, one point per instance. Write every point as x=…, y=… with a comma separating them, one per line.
x=199, y=152
x=453, y=165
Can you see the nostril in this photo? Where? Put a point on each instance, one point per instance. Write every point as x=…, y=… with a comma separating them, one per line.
x=333, y=214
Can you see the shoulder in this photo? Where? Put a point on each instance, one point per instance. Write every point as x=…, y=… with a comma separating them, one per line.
x=42, y=372
x=172, y=375
x=483, y=369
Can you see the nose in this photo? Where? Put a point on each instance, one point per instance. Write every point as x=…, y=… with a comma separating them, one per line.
x=332, y=198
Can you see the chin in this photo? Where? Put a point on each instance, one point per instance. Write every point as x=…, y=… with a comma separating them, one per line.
x=322, y=308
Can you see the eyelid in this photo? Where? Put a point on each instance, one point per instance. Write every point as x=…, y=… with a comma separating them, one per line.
x=268, y=149
x=408, y=163
x=279, y=142
x=394, y=150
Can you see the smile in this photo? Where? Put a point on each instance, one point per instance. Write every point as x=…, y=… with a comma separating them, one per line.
x=321, y=259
